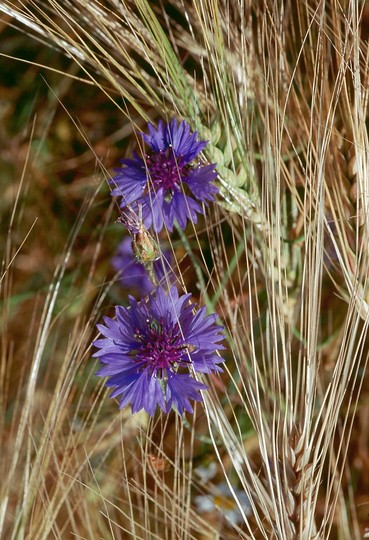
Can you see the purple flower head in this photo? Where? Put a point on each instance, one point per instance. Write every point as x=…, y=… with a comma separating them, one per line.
x=151, y=349
x=133, y=275
x=167, y=185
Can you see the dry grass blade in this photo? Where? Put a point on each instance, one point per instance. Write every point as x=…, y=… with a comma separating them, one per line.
x=280, y=90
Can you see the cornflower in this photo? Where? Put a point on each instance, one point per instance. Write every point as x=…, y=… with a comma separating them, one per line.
x=166, y=184
x=152, y=350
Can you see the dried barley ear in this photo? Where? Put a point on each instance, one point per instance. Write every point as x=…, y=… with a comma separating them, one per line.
x=300, y=485
x=346, y=229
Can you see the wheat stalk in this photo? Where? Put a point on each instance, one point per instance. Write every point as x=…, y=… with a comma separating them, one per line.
x=280, y=92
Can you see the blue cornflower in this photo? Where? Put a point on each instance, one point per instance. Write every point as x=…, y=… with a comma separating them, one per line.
x=151, y=350
x=133, y=275
x=166, y=184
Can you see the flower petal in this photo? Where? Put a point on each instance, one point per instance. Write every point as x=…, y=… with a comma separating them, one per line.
x=180, y=389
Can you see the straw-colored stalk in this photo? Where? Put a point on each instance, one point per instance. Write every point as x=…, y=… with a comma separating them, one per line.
x=280, y=90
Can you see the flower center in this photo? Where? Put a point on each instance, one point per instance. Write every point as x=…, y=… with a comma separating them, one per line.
x=161, y=348
x=165, y=169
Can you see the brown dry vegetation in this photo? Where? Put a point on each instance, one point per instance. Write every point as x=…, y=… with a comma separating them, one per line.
x=280, y=90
